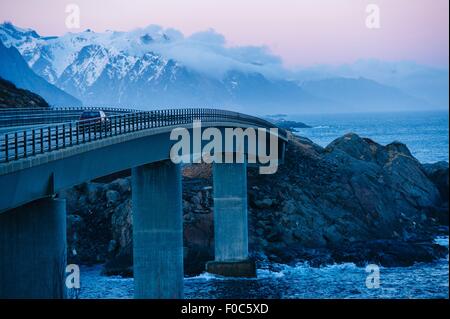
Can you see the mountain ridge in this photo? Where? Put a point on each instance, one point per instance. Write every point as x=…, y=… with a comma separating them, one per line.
x=135, y=68
x=15, y=69
x=13, y=97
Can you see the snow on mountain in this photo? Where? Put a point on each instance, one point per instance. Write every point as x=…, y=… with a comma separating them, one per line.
x=87, y=66
x=91, y=65
x=51, y=56
x=55, y=54
x=156, y=67
x=14, y=69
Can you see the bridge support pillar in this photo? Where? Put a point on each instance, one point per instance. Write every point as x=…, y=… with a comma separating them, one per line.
x=33, y=250
x=157, y=231
x=230, y=222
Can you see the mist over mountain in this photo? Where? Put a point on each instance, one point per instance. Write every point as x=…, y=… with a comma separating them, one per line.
x=155, y=67
x=428, y=84
x=356, y=95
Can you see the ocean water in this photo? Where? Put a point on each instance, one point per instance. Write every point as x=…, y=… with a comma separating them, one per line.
x=301, y=281
x=425, y=133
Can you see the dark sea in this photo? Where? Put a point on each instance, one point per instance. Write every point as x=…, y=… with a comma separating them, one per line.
x=422, y=280
x=427, y=136
x=425, y=133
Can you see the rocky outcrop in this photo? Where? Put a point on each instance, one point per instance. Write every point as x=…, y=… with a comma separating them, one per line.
x=11, y=96
x=353, y=201
x=327, y=202
x=288, y=125
x=438, y=174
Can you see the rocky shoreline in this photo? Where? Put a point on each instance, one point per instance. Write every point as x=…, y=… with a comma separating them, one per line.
x=353, y=201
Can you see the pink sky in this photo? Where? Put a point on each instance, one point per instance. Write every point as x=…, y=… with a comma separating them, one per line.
x=302, y=32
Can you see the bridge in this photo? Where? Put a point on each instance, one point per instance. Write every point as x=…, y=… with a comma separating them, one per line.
x=45, y=151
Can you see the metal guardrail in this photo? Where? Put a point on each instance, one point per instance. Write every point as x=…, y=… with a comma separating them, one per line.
x=11, y=117
x=33, y=141
x=80, y=108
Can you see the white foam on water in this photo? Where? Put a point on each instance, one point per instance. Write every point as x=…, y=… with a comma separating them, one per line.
x=441, y=240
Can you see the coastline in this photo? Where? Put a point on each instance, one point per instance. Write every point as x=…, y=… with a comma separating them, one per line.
x=345, y=280
x=322, y=194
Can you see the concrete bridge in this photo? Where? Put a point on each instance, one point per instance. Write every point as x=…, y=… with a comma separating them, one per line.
x=44, y=152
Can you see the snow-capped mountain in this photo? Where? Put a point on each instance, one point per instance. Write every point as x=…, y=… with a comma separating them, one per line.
x=81, y=52
x=14, y=69
x=113, y=68
x=134, y=68
x=155, y=67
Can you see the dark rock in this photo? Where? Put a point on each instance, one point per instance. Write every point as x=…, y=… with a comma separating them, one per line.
x=246, y=268
x=264, y=203
x=94, y=192
x=389, y=253
x=438, y=174
x=13, y=97
x=290, y=125
x=353, y=201
x=121, y=185
x=199, y=242
x=121, y=225
x=121, y=264
x=112, y=197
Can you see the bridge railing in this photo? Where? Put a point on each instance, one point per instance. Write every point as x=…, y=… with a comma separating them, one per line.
x=30, y=142
x=10, y=117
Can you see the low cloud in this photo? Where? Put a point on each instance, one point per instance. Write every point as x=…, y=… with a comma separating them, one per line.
x=207, y=52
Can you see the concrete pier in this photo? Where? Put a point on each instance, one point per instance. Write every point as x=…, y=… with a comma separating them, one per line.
x=157, y=231
x=230, y=222
x=33, y=250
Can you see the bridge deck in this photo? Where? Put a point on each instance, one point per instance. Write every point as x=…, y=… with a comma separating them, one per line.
x=68, y=132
